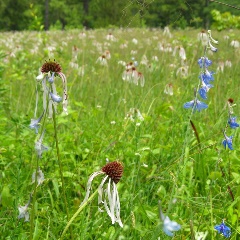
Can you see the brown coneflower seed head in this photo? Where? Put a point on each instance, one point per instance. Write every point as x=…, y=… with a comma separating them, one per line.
x=230, y=100
x=51, y=66
x=114, y=170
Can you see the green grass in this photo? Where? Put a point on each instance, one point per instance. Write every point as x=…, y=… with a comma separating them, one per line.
x=162, y=158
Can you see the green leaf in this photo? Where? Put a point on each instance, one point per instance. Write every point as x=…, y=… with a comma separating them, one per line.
x=6, y=197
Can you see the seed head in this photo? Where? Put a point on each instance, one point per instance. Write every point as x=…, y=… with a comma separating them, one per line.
x=230, y=100
x=114, y=170
x=51, y=66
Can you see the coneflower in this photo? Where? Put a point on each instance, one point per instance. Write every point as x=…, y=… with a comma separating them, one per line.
x=107, y=193
x=49, y=70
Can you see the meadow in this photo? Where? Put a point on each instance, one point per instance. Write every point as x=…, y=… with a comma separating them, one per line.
x=174, y=160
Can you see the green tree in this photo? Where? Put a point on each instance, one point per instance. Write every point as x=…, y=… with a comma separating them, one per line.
x=12, y=17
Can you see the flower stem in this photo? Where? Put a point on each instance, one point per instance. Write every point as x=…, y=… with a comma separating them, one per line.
x=81, y=207
x=33, y=204
x=60, y=166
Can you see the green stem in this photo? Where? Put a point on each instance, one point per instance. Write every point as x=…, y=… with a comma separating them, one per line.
x=35, y=182
x=34, y=200
x=77, y=213
x=60, y=166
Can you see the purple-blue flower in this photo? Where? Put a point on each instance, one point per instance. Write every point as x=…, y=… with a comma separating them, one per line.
x=55, y=97
x=35, y=123
x=227, y=141
x=223, y=229
x=207, y=76
x=204, y=89
x=196, y=105
x=232, y=122
x=51, y=78
x=203, y=92
x=169, y=227
x=204, y=62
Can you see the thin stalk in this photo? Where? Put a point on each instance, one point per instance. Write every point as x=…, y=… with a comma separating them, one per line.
x=60, y=166
x=211, y=212
x=34, y=194
x=33, y=204
x=77, y=213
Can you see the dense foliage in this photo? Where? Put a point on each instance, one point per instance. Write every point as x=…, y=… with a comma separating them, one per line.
x=69, y=14
x=111, y=118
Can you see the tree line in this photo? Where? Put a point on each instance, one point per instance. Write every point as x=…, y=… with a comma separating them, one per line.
x=70, y=14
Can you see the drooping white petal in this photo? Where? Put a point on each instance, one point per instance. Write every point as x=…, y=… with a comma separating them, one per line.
x=40, y=77
x=214, y=49
x=65, y=96
x=210, y=36
x=36, y=103
x=54, y=90
x=117, y=208
x=100, y=193
x=45, y=94
x=50, y=108
x=112, y=203
x=93, y=175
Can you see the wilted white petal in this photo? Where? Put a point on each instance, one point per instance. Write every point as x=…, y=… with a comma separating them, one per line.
x=44, y=86
x=118, y=220
x=214, y=49
x=93, y=175
x=210, y=36
x=112, y=203
x=40, y=77
x=65, y=95
x=100, y=193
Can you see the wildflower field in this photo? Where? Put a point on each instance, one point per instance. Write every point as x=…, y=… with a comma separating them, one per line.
x=121, y=134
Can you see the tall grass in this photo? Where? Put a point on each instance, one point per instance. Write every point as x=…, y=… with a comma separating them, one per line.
x=162, y=158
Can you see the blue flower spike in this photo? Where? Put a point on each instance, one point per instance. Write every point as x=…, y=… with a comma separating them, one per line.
x=204, y=62
x=195, y=105
x=223, y=229
x=207, y=76
x=232, y=122
x=204, y=89
x=227, y=141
